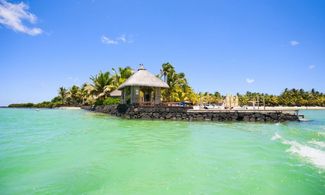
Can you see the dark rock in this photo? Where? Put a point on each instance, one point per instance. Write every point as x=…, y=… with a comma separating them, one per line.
x=162, y=113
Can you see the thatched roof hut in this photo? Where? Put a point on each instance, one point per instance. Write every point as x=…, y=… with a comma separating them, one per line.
x=142, y=87
x=143, y=78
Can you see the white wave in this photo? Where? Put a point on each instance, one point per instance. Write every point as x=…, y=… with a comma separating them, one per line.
x=276, y=136
x=316, y=157
x=312, y=155
x=318, y=143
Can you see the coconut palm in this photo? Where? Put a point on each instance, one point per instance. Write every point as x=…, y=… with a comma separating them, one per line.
x=87, y=94
x=63, y=94
x=74, y=95
x=178, y=90
x=121, y=75
x=102, y=84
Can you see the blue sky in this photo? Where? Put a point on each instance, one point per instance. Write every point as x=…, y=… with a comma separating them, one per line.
x=227, y=46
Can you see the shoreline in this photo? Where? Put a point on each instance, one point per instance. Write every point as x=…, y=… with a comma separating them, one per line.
x=68, y=108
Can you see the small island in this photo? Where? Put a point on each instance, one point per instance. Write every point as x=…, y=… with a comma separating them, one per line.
x=142, y=95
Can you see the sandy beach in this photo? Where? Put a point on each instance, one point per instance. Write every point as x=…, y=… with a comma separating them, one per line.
x=69, y=108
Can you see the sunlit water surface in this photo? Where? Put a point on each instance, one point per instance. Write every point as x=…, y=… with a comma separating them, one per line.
x=74, y=151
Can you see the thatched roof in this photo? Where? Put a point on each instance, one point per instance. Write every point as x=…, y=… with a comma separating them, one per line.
x=115, y=93
x=144, y=78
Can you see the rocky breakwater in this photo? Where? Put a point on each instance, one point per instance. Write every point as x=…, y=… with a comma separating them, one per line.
x=186, y=114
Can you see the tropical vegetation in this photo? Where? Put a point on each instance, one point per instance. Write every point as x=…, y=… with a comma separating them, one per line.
x=289, y=97
x=96, y=92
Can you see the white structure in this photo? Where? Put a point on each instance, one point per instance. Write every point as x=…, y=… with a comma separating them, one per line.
x=231, y=101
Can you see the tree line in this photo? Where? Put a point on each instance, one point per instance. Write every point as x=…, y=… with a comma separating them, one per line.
x=96, y=92
x=289, y=97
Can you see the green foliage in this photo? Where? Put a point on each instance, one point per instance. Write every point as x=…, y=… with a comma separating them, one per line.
x=22, y=105
x=207, y=97
x=63, y=94
x=99, y=102
x=111, y=101
x=57, y=99
x=44, y=104
x=74, y=96
x=97, y=92
x=121, y=75
x=102, y=84
x=179, y=89
x=292, y=97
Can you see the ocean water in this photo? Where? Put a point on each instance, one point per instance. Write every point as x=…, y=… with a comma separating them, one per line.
x=79, y=152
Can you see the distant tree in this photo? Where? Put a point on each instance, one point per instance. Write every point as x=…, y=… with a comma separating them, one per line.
x=63, y=94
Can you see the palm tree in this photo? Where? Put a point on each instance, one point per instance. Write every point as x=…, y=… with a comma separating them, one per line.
x=121, y=75
x=86, y=93
x=63, y=94
x=75, y=95
x=102, y=84
x=178, y=90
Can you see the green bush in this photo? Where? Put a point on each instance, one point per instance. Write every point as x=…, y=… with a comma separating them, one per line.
x=56, y=99
x=111, y=101
x=99, y=102
x=22, y=105
x=44, y=105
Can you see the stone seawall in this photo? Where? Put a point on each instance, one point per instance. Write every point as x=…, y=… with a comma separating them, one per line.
x=180, y=113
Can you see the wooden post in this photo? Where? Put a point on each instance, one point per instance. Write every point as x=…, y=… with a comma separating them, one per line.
x=132, y=95
x=258, y=102
x=124, y=96
x=136, y=94
x=157, y=95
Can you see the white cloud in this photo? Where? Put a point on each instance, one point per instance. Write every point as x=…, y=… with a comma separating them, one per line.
x=107, y=40
x=249, y=81
x=294, y=43
x=122, y=38
x=115, y=41
x=311, y=66
x=12, y=16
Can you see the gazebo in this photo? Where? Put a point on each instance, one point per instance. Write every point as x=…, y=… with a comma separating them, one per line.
x=142, y=88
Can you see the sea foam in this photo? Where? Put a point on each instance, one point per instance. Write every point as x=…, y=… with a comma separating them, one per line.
x=312, y=155
x=318, y=143
x=276, y=136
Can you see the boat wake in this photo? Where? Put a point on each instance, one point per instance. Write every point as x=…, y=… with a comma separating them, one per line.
x=311, y=154
x=305, y=120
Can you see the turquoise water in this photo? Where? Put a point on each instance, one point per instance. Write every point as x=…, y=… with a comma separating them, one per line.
x=74, y=152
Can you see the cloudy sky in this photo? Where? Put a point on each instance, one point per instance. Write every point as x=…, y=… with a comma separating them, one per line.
x=221, y=45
